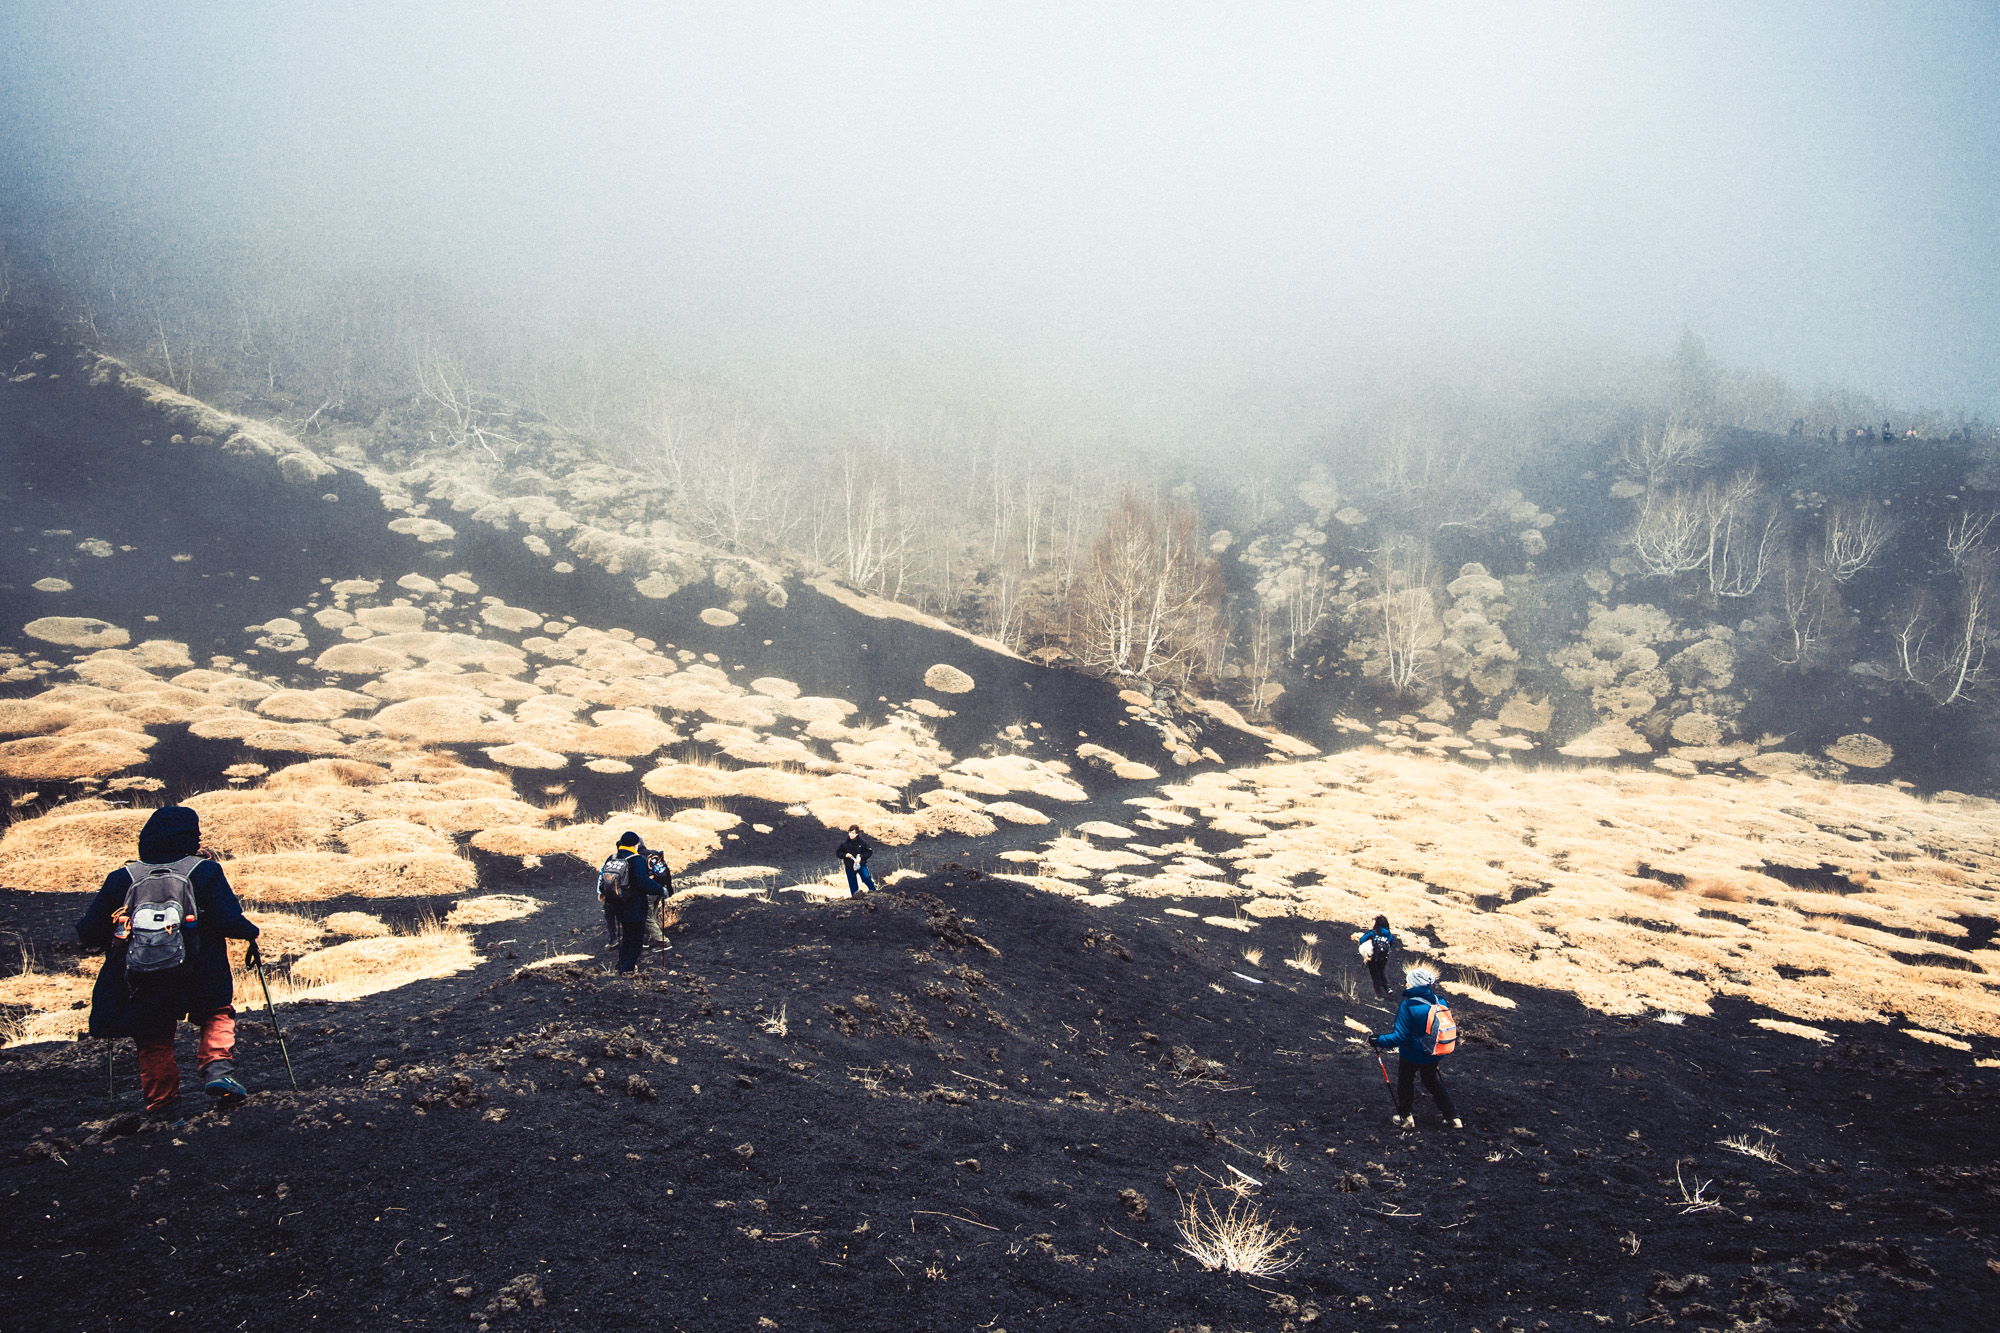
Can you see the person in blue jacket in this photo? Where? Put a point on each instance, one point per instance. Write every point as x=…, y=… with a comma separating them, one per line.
x=205, y=997
x=1413, y=1053
x=630, y=910
x=1382, y=940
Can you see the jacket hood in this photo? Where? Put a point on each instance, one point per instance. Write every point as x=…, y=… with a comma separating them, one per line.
x=174, y=831
x=1424, y=993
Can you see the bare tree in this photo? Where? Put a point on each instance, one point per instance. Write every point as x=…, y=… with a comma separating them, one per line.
x=1406, y=614
x=467, y=414
x=1965, y=536
x=1146, y=601
x=1854, y=535
x=1671, y=537
x=1946, y=658
x=1742, y=532
x=1656, y=455
x=1810, y=607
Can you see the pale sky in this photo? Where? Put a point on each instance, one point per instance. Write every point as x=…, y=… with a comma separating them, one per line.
x=1812, y=187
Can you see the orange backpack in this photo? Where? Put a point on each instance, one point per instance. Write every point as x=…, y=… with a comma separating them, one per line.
x=1441, y=1030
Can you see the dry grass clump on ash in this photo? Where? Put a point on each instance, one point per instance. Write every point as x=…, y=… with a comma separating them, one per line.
x=71, y=848
x=1015, y=813
x=368, y=966
x=77, y=632
x=522, y=755
x=317, y=876
x=948, y=679
x=46, y=1000
x=235, y=827
x=489, y=908
x=95, y=752
x=1018, y=773
x=1236, y=1238
x=389, y=837
x=354, y=925
x=1532, y=877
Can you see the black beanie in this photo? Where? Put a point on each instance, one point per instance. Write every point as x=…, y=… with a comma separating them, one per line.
x=630, y=839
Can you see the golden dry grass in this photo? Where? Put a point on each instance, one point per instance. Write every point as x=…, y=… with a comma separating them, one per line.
x=489, y=908
x=1531, y=876
x=354, y=925
x=43, y=1005
x=292, y=877
x=368, y=966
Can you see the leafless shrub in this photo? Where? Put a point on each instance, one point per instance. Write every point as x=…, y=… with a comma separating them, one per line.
x=1742, y=532
x=1238, y=1238
x=1654, y=456
x=1146, y=601
x=1946, y=658
x=1762, y=1149
x=1696, y=1200
x=774, y=1025
x=1853, y=536
x=1671, y=536
x=1965, y=536
x=1407, y=617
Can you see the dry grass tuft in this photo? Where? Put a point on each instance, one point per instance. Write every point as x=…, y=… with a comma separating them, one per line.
x=1238, y=1238
x=355, y=925
x=1718, y=889
x=369, y=966
x=775, y=1025
x=1762, y=1149
x=1254, y=957
x=1696, y=1200
x=489, y=908
x=1306, y=960
x=284, y=934
x=56, y=1004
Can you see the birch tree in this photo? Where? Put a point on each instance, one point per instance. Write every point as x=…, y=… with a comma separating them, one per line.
x=1145, y=602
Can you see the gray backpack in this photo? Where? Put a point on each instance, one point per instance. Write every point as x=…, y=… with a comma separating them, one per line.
x=159, y=913
x=614, y=880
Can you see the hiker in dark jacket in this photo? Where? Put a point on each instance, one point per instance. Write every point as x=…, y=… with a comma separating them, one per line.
x=204, y=996
x=1378, y=940
x=630, y=909
x=1413, y=1053
x=656, y=901
x=854, y=854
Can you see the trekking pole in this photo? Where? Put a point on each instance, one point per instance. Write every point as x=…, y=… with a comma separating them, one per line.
x=1387, y=1086
x=257, y=961
x=110, y=1075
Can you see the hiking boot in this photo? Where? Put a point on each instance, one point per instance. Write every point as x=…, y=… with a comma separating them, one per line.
x=168, y=1116
x=1401, y=1121
x=219, y=1080
x=1456, y=1123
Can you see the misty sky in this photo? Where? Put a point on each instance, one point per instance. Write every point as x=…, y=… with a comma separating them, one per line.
x=1812, y=187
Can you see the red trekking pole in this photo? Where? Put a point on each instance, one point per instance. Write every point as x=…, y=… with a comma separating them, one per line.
x=1387, y=1086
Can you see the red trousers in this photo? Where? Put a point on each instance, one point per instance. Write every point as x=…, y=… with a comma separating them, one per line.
x=160, y=1073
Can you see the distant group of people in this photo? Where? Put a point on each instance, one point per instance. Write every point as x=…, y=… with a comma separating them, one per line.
x=634, y=883
x=164, y=920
